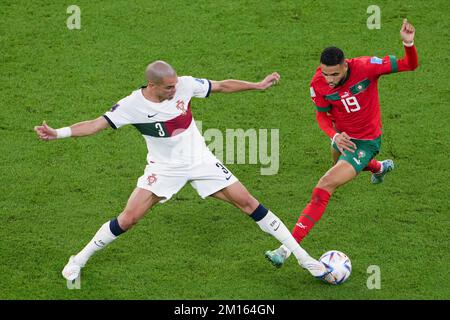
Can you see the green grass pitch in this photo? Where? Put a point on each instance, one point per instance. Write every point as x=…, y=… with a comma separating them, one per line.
x=54, y=196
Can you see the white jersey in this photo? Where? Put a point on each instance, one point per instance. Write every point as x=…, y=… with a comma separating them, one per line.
x=168, y=127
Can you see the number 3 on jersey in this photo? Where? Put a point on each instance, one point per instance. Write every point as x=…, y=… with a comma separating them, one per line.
x=349, y=103
x=160, y=129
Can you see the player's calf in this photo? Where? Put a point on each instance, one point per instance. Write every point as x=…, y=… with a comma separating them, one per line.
x=247, y=204
x=127, y=219
x=239, y=196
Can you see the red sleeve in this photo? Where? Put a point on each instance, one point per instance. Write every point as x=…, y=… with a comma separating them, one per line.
x=410, y=61
x=325, y=123
x=321, y=104
x=390, y=64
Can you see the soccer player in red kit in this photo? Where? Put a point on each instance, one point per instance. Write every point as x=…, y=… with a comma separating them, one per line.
x=345, y=93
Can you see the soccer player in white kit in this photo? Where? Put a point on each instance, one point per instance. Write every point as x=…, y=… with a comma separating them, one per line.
x=177, y=154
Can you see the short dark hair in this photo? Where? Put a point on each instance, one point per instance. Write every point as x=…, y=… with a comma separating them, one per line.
x=332, y=56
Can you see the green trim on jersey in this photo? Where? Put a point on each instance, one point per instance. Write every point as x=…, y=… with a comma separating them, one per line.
x=323, y=109
x=333, y=97
x=360, y=86
x=154, y=129
x=394, y=65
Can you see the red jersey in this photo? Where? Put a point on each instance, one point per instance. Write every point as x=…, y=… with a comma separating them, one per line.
x=354, y=105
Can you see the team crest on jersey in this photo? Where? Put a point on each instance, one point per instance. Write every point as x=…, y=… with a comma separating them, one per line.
x=181, y=106
x=376, y=60
x=152, y=179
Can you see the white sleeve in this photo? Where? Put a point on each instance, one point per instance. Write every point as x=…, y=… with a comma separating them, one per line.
x=118, y=115
x=201, y=88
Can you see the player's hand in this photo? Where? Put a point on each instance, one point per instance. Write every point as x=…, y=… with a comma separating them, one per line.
x=45, y=132
x=407, y=32
x=343, y=142
x=269, y=81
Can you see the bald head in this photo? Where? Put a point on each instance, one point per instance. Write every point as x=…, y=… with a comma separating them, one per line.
x=158, y=70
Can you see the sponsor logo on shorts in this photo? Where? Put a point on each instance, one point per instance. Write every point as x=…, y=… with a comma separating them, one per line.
x=151, y=179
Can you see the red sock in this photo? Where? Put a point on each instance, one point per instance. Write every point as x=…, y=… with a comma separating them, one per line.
x=311, y=214
x=373, y=166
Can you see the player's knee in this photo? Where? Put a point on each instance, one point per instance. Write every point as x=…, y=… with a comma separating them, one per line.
x=328, y=183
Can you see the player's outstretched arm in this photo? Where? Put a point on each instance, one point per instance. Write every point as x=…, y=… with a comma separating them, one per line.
x=410, y=61
x=79, y=129
x=391, y=64
x=229, y=86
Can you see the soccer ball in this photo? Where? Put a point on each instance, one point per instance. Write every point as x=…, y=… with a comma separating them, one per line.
x=338, y=264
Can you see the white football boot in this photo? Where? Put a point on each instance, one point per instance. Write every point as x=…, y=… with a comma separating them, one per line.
x=72, y=269
x=317, y=269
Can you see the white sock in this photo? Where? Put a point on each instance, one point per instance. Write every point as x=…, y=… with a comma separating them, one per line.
x=273, y=225
x=101, y=239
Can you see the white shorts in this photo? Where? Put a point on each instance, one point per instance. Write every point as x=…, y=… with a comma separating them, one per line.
x=206, y=177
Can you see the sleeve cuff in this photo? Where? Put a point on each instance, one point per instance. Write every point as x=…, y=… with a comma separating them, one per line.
x=209, y=89
x=408, y=45
x=323, y=109
x=110, y=122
